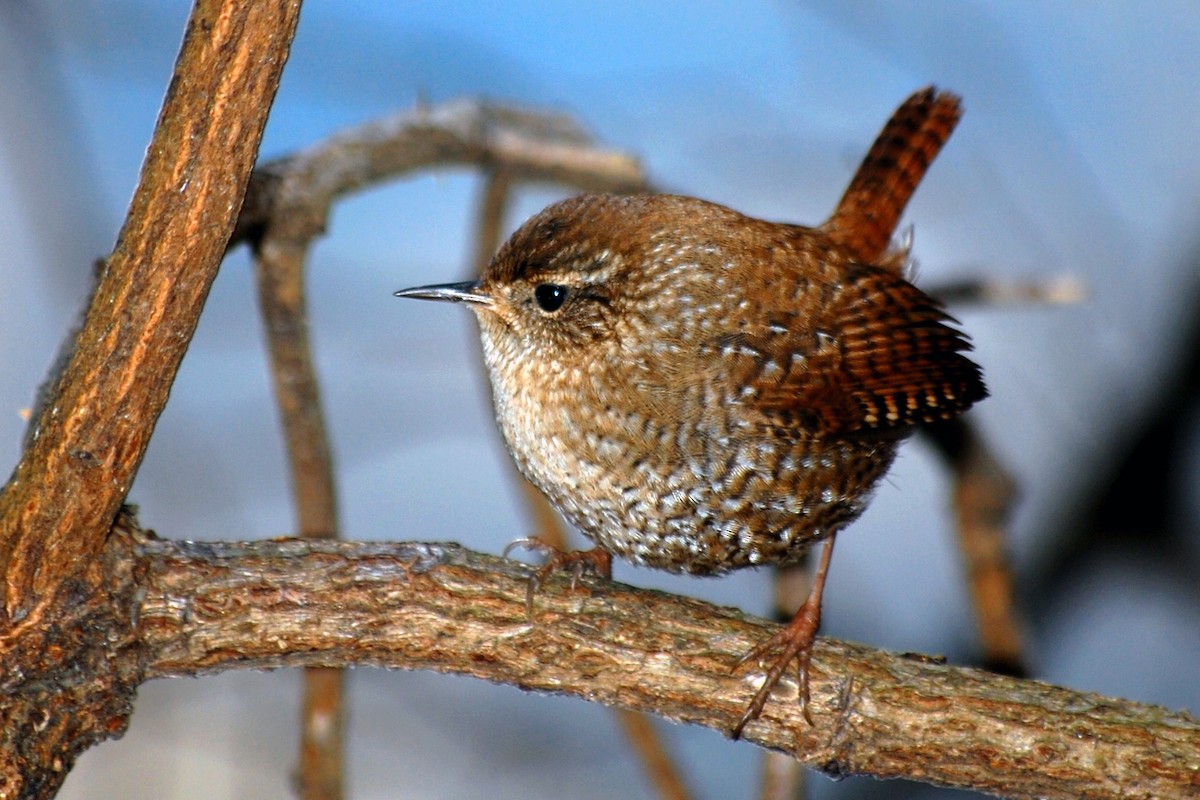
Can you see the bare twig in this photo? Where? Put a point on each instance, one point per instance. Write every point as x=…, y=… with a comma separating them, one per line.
x=984, y=491
x=989, y=291
x=281, y=294
x=281, y=291
x=493, y=205
x=984, y=494
x=532, y=146
x=657, y=764
x=209, y=607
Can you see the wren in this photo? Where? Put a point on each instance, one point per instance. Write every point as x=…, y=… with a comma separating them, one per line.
x=700, y=391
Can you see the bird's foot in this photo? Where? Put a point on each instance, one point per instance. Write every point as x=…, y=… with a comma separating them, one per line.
x=596, y=561
x=794, y=643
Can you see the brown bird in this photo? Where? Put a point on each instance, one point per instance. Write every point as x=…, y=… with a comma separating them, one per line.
x=700, y=391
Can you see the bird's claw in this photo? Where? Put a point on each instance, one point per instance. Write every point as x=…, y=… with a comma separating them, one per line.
x=598, y=561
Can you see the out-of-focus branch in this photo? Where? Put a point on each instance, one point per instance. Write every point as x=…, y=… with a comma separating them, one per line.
x=659, y=767
x=209, y=607
x=984, y=491
x=991, y=291
x=984, y=494
x=493, y=205
x=297, y=192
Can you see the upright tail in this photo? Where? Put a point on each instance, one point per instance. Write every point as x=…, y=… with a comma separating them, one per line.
x=866, y=216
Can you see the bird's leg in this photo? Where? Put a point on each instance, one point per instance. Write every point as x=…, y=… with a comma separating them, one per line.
x=794, y=643
x=597, y=561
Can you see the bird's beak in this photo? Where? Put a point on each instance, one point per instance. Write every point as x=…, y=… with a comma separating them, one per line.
x=465, y=292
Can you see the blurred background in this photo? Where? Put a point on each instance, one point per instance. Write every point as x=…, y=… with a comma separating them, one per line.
x=1076, y=156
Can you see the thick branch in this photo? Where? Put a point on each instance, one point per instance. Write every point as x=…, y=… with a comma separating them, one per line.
x=69, y=665
x=94, y=428
x=209, y=607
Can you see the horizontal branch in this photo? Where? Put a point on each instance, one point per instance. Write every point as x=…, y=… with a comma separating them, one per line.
x=209, y=607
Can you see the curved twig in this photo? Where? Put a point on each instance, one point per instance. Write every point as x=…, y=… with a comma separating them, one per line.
x=294, y=194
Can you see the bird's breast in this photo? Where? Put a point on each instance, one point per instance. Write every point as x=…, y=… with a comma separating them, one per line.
x=696, y=489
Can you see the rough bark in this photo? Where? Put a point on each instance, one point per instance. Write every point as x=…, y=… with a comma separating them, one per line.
x=66, y=610
x=208, y=607
x=72, y=684
x=96, y=424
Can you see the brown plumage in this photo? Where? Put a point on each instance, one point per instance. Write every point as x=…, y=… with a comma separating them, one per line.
x=700, y=391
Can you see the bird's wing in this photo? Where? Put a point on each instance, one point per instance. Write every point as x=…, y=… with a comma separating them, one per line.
x=879, y=358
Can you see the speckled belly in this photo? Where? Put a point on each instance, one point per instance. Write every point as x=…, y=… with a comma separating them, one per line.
x=729, y=502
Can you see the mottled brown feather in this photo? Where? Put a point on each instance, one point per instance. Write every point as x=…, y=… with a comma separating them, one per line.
x=885, y=359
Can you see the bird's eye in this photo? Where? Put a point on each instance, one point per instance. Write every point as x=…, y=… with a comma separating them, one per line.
x=550, y=296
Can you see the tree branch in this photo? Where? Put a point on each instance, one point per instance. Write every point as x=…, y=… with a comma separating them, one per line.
x=209, y=607
x=66, y=671
x=94, y=428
